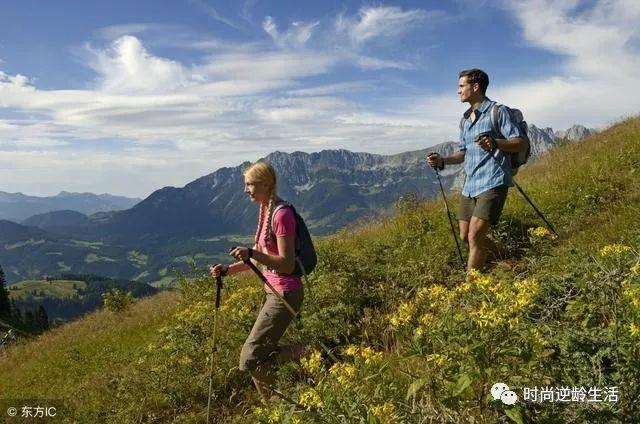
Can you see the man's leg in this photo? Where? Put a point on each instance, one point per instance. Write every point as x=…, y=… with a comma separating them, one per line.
x=478, y=231
x=464, y=230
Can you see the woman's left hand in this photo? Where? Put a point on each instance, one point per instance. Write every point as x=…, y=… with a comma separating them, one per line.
x=240, y=253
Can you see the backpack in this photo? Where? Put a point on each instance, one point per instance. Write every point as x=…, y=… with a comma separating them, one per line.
x=306, y=257
x=516, y=159
x=520, y=158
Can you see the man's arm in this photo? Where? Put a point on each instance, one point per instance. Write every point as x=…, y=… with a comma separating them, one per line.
x=456, y=158
x=512, y=145
x=435, y=160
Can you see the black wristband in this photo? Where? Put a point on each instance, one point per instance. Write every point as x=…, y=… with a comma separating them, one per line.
x=224, y=271
x=441, y=167
x=250, y=253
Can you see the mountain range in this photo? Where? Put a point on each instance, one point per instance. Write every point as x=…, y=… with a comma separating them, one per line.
x=17, y=206
x=196, y=223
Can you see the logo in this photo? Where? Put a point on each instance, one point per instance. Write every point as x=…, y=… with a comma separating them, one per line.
x=500, y=391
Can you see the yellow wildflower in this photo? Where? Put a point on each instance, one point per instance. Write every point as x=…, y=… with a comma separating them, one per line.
x=636, y=268
x=344, y=373
x=312, y=363
x=634, y=329
x=385, y=413
x=633, y=296
x=351, y=350
x=437, y=359
x=275, y=417
x=403, y=315
x=614, y=250
x=370, y=356
x=311, y=399
x=538, y=233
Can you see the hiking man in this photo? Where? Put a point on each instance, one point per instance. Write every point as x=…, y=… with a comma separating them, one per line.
x=487, y=179
x=275, y=249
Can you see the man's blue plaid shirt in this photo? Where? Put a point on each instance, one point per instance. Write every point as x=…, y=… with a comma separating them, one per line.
x=482, y=172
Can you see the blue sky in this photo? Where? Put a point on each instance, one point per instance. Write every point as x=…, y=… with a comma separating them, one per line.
x=127, y=97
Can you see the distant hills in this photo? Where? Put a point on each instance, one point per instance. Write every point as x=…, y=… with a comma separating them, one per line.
x=18, y=207
x=175, y=226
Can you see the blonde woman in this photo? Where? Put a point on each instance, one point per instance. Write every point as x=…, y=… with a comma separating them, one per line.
x=275, y=249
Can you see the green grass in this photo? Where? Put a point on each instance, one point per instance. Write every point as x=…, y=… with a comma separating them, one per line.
x=57, y=288
x=30, y=242
x=138, y=259
x=90, y=244
x=554, y=312
x=80, y=361
x=92, y=257
x=231, y=238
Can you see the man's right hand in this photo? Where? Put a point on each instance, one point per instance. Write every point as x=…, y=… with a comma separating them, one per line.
x=435, y=160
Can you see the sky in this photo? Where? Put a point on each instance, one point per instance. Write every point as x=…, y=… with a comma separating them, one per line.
x=127, y=97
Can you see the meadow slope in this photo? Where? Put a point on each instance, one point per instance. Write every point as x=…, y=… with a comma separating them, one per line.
x=416, y=343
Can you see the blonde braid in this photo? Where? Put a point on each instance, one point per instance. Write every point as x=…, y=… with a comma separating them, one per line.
x=260, y=221
x=272, y=205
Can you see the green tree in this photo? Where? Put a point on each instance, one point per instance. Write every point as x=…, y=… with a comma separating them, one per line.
x=42, y=319
x=5, y=304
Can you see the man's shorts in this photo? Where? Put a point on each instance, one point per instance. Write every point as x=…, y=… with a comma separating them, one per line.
x=274, y=318
x=487, y=205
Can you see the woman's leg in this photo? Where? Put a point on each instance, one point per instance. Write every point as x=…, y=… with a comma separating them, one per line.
x=260, y=349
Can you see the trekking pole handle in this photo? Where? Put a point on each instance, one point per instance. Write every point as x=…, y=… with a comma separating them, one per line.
x=437, y=167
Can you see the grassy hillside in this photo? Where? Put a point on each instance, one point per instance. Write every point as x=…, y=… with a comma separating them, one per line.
x=415, y=342
x=42, y=288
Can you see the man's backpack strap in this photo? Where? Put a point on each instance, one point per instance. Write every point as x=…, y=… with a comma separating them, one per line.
x=495, y=119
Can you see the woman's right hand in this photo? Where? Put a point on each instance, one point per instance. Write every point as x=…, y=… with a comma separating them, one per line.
x=218, y=270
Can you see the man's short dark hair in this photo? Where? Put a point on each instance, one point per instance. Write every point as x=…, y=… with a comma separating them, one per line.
x=476, y=76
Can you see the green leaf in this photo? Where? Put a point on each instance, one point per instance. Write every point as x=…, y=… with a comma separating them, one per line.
x=463, y=382
x=514, y=414
x=415, y=387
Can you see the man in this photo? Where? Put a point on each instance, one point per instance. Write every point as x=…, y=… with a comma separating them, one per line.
x=487, y=178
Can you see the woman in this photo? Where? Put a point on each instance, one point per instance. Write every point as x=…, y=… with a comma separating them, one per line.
x=275, y=249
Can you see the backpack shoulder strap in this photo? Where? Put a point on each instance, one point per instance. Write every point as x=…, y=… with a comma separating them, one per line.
x=495, y=118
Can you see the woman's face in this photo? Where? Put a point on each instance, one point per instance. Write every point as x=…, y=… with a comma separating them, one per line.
x=257, y=191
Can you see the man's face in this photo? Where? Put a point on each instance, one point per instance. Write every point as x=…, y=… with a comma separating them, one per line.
x=465, y=89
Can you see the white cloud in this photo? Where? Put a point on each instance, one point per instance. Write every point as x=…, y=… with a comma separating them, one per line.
x=600, y=60
x=215, y=15
x=161, y=122
x=127, y=67
x=378, y=22
x=296, y=36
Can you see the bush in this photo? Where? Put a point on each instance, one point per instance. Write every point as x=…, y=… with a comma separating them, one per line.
x=117, y=300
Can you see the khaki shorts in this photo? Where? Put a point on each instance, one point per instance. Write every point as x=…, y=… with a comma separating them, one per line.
x=262, y=344
x=487, y=205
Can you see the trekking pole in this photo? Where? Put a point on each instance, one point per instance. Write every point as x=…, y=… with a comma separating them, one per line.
x=213, y=349
x=294, y=314
x=535, y=208
x=446, y=206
